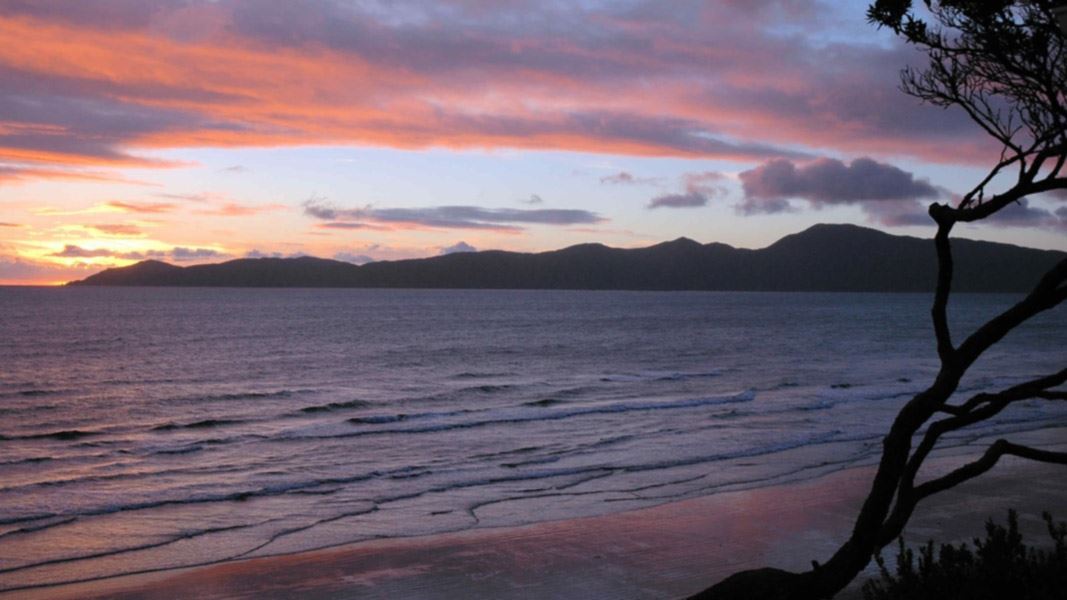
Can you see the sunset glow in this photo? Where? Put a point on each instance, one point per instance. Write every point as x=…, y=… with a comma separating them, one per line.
x=204, y=131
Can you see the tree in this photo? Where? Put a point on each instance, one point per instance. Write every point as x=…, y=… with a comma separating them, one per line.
x=1004, y=62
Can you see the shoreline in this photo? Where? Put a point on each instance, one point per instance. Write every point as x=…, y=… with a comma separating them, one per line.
x=665, y=551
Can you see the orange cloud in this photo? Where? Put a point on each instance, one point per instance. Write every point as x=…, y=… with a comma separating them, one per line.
x=117, y=229
x=26, y=173
x=95, y=91
x=282, y=97
x=142, y=207
x=17, y=270
x=232, y=209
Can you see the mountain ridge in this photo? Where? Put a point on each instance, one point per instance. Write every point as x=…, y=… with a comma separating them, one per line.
x=824, y=257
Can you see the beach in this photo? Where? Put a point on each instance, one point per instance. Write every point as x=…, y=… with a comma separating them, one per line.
x=667, y=551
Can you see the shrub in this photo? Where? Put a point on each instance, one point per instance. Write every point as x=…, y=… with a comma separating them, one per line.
x=1000, y=567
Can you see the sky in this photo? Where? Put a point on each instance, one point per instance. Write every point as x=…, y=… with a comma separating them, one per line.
x=198, y=131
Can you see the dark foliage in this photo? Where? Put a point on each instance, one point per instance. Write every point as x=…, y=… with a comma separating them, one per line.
x=1000, y=566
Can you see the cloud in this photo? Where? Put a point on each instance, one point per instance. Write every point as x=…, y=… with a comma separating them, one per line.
x=457, y=248
x=117, y=229
x=698, y=192
x=18, y=270
x=178, y=253
x=769, y=187
x=533, y=199
x=354, y=258
x=701, y=181
x=221, y=204
x=186, y=254
x=55, y=121
x=233, y=209
x=899, y=213
x=108, y=84
x=451, y=217
x=20, y=173
x=55, y=212
x=72, y=251
x=620, y=177
x=373, y=252
x=254, y=253
x=689, y=200
x=627, y=178
x=346, y=225
x=197, y=197
x=317, y=207
x=236, y=169
x=143, y=207
x=9, y=224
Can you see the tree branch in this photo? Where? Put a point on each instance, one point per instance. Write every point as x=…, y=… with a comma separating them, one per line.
x=979, y=190
x=1020, y=190
x=979, y=408
x=1045, y=295
x=894, y=525
x=986, y=462
x=1035, y=388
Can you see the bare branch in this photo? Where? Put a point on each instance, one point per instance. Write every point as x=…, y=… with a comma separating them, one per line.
x=1030, y=389
x=1059, y=163
x=1019, y=191
x=1045, y=295
x=986, y=462
x=978, y=408
x=978, y=192
x=894, y=525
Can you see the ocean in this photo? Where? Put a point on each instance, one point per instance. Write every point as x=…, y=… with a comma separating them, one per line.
x=145, y=429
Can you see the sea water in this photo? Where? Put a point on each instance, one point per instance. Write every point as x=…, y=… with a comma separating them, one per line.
x=144, y=429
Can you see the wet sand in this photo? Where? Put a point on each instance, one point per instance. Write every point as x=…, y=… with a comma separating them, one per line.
x=667, y=551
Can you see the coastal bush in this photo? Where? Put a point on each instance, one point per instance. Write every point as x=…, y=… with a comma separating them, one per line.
x=1000, y=566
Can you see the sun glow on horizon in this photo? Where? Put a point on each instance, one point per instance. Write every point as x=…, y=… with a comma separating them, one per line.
x=198, y=132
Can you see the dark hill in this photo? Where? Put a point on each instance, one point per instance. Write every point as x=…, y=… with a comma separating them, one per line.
x=822, y=258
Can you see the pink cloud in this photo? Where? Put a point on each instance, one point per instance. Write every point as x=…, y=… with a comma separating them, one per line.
x=20, y=173
x=99, y=84
x=143, y=207
x=16, y=270
x=120, y=229
x=233, y=209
